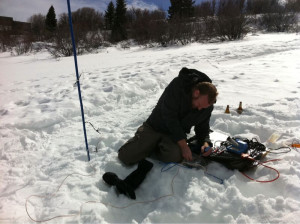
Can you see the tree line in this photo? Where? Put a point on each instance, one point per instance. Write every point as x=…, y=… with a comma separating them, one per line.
x=184, y=22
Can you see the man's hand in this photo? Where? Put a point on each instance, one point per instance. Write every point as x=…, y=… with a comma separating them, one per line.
x=187, y=154
x=185, y=150
x=207, y=153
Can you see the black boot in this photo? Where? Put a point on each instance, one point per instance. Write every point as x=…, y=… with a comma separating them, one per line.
x=132, y=181
x=137, y=177
x=123, y=188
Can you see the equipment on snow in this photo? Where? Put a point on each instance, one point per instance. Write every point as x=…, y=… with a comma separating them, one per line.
x=236, y=145
x=206, y=149
x=132, y=181
x=234, y=153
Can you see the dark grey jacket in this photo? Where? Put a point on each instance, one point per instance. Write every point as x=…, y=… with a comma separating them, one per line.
x=174, y=114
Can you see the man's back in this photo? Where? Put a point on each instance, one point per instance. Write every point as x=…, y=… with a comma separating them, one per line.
x=173, y=113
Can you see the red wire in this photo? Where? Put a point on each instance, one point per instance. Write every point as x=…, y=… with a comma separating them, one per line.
x=265, y=181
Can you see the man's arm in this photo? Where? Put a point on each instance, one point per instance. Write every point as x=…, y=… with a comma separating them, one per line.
x=202, y=129
x=170, y=106
x=170, y=113
x=185, y=150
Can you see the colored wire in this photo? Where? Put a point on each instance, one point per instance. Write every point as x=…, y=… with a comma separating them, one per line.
x=91, y=202
x=167, y=167
x=265, y=181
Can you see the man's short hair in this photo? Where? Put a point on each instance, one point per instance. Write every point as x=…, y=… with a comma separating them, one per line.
x=207, y=88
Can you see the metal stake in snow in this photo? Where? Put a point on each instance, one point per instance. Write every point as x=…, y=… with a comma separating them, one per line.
x=77, y=75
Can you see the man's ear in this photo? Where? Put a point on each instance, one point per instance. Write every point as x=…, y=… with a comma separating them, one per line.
x=196, y=93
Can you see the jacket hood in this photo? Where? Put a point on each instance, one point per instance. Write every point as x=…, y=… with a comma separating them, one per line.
x=190, y=77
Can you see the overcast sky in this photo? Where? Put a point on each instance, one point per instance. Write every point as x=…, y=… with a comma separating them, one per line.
x=21, y=10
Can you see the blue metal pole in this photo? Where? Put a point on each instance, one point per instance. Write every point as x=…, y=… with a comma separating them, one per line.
x=77, y=75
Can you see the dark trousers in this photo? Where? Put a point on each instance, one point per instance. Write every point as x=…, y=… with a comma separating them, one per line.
x=147, y=141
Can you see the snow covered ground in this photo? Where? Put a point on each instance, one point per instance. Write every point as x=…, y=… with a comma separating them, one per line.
x=42, y=139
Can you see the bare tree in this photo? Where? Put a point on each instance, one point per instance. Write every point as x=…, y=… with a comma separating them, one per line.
x=205, y=27
x=205, y=9
x=280, y=19
x=87, y=19
x=159, y=27
x=258, y=6
x=293, y=5
x=146, y=26
x=37, y=22
x=231, y=20
x=86, y=23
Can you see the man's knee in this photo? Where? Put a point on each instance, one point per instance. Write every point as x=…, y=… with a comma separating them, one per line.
x=169, y=152
x=140, y=146
x=124, y=158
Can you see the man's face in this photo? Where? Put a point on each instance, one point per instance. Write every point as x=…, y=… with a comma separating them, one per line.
x=199, y=101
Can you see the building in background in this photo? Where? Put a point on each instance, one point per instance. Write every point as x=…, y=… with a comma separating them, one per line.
x=15, y=27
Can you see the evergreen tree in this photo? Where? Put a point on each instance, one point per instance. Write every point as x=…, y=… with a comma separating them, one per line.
x=181, y=9
x=109, y=16
x=51, y=22
x=119, y=28
x=174, y=8
x=188, y=8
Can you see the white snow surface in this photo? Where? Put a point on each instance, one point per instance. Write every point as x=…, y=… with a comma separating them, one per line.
x=42, y=140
